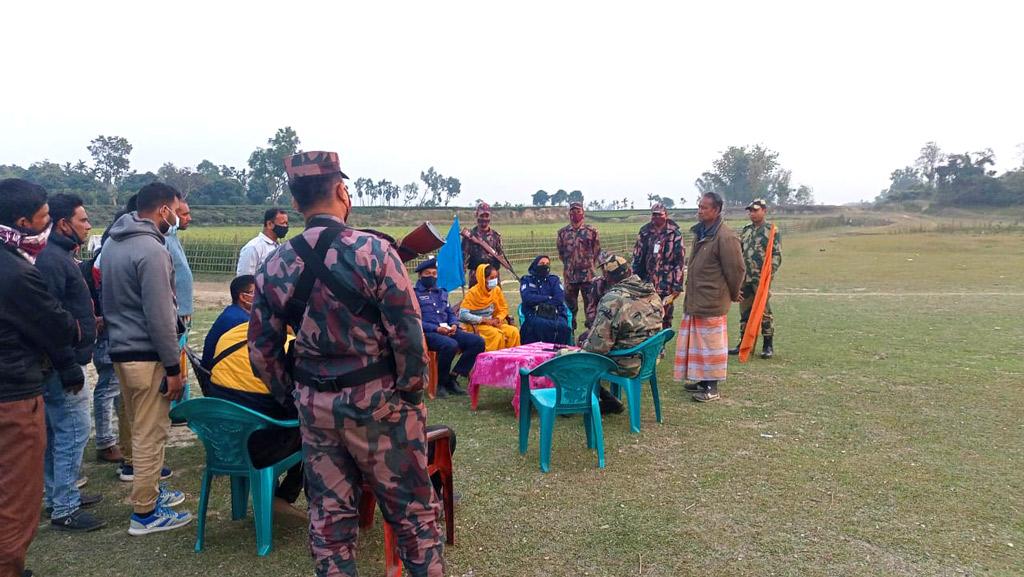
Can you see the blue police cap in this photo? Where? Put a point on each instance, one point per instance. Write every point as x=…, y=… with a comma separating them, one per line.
x=429, y=263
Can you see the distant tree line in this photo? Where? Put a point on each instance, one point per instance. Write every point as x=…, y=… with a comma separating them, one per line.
x=558, y=198
x=744, y=173
x=437, y=190
x=109, y=177
x=963, y=179
x=740, y=175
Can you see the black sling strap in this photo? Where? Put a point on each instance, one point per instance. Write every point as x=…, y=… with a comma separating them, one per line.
x=315, y=269
x=226, y=353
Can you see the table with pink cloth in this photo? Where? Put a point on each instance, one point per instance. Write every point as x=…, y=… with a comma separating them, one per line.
x=500, y=369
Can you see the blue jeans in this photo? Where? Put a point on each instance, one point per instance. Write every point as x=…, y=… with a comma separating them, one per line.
x=67, y=431
x=106, y=393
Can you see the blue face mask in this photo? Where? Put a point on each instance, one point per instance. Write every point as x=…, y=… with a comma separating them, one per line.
x=428, y=282
x=493, y=283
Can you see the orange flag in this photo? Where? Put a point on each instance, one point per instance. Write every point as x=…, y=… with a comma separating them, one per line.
x=760, y=300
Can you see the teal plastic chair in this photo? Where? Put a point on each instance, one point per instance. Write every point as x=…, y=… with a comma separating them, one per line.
x=224, y=428
x=576, y=377
x=648, y=351
x=522, y=318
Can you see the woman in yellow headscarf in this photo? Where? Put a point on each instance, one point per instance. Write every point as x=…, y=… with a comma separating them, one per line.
x=484, y=311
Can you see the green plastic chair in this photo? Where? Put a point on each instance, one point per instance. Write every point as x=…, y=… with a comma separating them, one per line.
x=576, y=377
x=522, y=318
x=648, y=351
x=224, y=428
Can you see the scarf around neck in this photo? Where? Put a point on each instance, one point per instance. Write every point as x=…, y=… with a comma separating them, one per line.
x=27, y=245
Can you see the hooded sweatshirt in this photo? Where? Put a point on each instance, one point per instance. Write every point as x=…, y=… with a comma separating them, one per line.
x=138, y=294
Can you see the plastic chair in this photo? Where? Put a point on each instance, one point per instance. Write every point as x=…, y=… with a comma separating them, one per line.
x=224, y=428
x=522, y=318
x=203, y=375
x=392, y=561
x=576, y=377
x=442, y=464
x=648, y=351
x=431, y=374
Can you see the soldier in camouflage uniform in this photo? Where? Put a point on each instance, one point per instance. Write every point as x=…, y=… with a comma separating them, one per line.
x=658, y=258
x=578, y=248
x=630, y=313
x=598, y=288
x=754, y=240
x=473, y=255
x=357, y=373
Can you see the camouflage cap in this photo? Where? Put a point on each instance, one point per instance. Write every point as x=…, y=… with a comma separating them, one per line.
x=573, y=205
x=658, y=208
x=483, y=208
x=315, y=163
x=757, y=203
x=616, y=267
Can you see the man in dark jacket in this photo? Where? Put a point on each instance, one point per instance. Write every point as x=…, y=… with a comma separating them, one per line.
x=441, y=328
x=142, y=319
x=715, y=275
x=32, y=324
x=67, y=414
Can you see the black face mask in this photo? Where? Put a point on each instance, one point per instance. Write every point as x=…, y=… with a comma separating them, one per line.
x=429, y=282
x=71, y=237
x=280, y=231
x=543, y=270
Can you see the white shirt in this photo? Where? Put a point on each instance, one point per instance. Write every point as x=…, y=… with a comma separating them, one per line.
x=253, y=254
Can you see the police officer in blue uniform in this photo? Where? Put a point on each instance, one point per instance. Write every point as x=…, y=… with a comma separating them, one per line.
x=441, y=327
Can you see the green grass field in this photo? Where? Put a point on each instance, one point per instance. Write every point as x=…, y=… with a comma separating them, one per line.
x=886, y=438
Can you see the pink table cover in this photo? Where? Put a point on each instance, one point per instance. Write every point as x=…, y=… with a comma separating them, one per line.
x=500, y=369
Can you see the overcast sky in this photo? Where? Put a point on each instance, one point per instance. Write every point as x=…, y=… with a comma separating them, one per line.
x=615, y=99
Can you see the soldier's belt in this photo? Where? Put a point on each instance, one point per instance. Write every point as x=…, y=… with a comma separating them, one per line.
x=354, y=378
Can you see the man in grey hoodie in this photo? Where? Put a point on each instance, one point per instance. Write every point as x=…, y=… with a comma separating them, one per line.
x=142, y=322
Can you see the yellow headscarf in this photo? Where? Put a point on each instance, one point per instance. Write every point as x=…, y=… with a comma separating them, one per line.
x=479, y=297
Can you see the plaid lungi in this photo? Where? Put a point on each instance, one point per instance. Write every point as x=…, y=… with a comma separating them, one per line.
x=702, y=349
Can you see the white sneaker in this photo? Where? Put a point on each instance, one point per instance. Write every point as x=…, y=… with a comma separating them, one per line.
x=162, y=519
x=169, y=497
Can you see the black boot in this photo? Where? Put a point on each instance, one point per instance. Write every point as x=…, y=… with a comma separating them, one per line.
x=693, y=387
x=767, y=351
x=608, y=402
x=736, y=351
x=453, y=386
x=708, y=392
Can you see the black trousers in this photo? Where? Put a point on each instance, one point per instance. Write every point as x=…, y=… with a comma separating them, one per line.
x=269, y=446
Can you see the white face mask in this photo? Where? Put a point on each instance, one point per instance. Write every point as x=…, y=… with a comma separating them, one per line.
x=172, y=227
x=493, y=283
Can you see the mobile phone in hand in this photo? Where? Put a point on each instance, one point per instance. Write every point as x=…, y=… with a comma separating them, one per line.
x=163, y=386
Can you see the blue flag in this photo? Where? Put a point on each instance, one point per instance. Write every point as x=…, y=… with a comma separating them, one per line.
x=450, y=274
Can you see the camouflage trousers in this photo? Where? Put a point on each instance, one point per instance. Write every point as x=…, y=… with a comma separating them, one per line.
x=388, y=453
x=767, y=321
x=572, y=293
